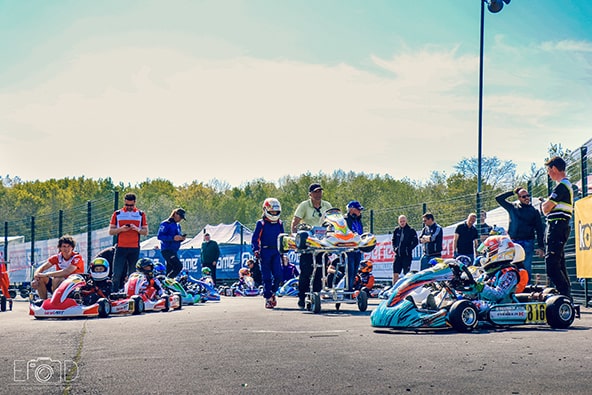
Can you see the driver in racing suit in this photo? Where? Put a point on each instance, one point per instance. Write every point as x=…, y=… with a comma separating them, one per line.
x=500, y=278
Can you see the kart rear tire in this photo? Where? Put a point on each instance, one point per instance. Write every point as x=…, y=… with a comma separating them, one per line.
x=362, y=299
x=560, y=312
x=315, y=302
x=463, y=316
x=104, y=308
x=281, y=248
x=138, y=305
x=2, y=303
x=300, y=239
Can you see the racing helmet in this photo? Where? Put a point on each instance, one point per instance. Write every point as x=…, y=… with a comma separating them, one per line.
x=498, y=250
x=206, y=271
x=159, y=269
x=366, y=266
x=244, y=272
x=519, y=254
x=465, y=260
x=99, y=269
x=145, y=265
x=272, y=209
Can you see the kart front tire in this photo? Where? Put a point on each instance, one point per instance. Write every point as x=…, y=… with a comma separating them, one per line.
x=138, y=305
x=167, y=303
x=178, y=295
x=12, y=293
x=560, y=312
x=362, y=299
x=463, y=316
x=315, y=302
x=104, y=308
x=301, y=238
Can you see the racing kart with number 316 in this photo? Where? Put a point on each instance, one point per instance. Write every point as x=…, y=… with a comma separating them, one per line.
x=433, y=299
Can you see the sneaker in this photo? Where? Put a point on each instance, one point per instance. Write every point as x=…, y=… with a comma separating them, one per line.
x=301, y=303
x=268, y=304
x=273, y=300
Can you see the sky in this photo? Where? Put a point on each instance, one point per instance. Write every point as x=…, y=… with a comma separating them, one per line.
x=237, y=91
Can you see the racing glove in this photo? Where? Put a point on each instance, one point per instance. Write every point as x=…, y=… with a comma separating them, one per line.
x=478, y=287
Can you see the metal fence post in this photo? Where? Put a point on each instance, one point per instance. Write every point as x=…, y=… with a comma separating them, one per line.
x=60, y=223
x=32, y=240
x=88, y=232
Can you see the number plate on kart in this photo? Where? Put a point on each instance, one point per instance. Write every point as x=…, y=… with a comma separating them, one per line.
x=528, y=313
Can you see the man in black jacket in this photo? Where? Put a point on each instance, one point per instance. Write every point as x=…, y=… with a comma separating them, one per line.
x=404, y=241
x=431, y=237
x=525, y=220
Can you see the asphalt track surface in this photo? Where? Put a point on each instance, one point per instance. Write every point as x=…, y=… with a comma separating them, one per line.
x=236, y=346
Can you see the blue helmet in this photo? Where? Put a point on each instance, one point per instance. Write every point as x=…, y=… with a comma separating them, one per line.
x=159, y=269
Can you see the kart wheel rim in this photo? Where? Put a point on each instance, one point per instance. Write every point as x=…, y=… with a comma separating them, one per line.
x=565, y=312
x=469, y=317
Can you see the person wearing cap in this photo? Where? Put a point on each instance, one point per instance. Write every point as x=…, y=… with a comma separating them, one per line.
x=558, y=208
x=127, y=225
x=353, y=218
x=309, y=212
x=171, y=236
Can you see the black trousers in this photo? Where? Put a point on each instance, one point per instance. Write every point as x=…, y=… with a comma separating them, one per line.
x=173, y=264
x=557, y=233
x=306, y=267
x=124, y=264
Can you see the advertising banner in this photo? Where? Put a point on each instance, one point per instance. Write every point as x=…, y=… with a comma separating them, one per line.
x=583, y=232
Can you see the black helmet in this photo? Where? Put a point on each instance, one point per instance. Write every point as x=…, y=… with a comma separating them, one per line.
x=145, y=265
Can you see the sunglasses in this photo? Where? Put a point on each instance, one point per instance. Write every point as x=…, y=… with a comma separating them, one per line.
x=524, y=196
x=129, y=205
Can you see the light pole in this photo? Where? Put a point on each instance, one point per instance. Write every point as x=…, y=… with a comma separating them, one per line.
x=494, y=6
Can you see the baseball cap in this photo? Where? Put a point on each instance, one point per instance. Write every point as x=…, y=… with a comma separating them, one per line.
x=355, y=204
x=180, y=212
x=314, y=187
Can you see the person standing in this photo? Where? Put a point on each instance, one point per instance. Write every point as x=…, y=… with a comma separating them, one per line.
x=431, y=237
x=210, y=253
x=525, y=221
x=558, y=208
x=171, y=236
x=264, y=243
x=353, y=218
x=128, y=224
x=404, y=242
x=309, y=212
x=466, y=237
x=485, y=230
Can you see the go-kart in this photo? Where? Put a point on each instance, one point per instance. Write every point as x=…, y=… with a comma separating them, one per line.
x=433, y=298
x=204, y=286
x=289, y=288
x=153, y=298
x=334, y=238
x=244, y=287
x=333, y=234
x=188, y=296
x=75, y=298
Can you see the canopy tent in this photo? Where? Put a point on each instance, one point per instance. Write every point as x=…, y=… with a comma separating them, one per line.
x=222, y=234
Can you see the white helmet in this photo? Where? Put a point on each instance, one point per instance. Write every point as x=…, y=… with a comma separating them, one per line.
x=99, y=269
x=519, y=253
x=272, y=209
x=499, y=250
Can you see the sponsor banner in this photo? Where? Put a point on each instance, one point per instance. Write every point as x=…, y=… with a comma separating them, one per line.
x=583, y=232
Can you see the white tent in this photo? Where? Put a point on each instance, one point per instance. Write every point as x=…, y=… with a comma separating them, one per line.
x=222, y=234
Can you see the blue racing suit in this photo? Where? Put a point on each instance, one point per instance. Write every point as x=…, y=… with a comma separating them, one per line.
x=264, y=243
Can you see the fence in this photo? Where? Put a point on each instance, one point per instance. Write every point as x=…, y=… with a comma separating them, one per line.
x=95, y=215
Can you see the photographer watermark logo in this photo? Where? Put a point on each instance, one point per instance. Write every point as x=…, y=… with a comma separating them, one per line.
x=45, y=371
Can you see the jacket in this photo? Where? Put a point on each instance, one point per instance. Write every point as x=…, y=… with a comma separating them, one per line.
x=166, y=233
x=404, y=241
x=524, y=220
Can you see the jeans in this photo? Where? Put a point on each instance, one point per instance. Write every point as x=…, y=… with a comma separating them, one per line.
x=528, y=246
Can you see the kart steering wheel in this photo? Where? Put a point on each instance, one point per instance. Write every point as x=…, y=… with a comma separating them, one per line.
x=465, y=269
